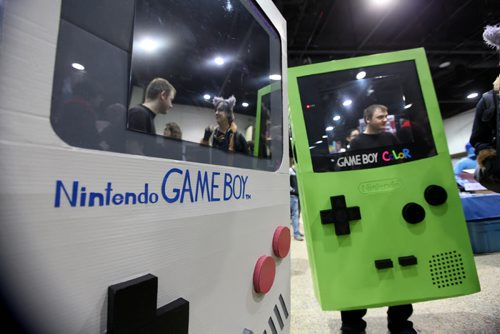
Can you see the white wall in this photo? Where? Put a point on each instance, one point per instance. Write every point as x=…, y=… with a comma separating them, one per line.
x=193, y=121
x=458, y=129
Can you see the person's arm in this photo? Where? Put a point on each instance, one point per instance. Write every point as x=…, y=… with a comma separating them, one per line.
x=481, y=136
x=206, y=136
x=241, y=144
x=459, y=167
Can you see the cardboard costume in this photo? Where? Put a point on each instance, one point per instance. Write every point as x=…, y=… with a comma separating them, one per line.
x=384, y=225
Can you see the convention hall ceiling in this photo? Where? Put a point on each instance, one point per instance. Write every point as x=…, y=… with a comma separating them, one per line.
x=450, y=31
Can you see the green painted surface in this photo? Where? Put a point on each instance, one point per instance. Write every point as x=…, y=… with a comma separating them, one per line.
x=344, y=273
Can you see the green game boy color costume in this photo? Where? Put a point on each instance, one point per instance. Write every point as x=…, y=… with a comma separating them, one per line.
x=384, y=225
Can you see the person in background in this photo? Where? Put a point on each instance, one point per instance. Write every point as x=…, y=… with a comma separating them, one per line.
x=294, y=205
x=468, y=162
x=77, y=123
x=172, y=130
x=353, y=133
x=484, y=130
x=226, y=135
x=159, y=96
x=114, y=134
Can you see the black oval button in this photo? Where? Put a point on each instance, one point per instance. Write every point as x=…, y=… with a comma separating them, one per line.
x=435, y=195
x=413, y=213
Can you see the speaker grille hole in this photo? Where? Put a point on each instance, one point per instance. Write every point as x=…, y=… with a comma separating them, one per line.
x=447, y=269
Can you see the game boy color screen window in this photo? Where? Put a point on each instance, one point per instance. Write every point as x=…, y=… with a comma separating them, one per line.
x=333, y=105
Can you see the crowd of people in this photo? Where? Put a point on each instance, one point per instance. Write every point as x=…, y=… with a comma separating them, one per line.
x=80, y=122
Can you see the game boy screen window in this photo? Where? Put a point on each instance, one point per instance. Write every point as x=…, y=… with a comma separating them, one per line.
x=333, y=105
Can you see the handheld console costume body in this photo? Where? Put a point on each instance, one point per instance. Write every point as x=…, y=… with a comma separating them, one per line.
x=384, y=224
x=107, y=223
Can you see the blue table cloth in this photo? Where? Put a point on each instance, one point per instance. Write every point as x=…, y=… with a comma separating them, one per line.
x=481, y=207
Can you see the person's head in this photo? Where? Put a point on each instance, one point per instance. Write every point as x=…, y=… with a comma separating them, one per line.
x=224, y=114
x=89, y=91
x=160, y=92
x=375, y=118
x=172, y=130
x=353, y=133
x=115, y=112
x=496, y=83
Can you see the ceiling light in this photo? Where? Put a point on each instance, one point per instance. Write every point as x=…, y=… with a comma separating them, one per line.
x=319, y=142
x=275, y=77
x=408, y=106
x=148, y=44
x=219, y=61
x=245, y=104
x=336, y=118
x=330, y=128
x=78, y=67
x=472, y=95
x=381, y=2
x=206, y=97
x=445, y=64
x=347, y=103
x=361, y=75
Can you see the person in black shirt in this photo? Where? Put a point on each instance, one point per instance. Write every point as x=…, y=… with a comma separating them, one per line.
x=484, y=130
x=159, y=96
x=374, y=135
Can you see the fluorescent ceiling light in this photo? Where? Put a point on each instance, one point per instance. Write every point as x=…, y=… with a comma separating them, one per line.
x=78, y=67
x=149, y=45
x=361, y=75
x=445, y=64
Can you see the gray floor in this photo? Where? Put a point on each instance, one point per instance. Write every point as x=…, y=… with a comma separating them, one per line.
x=477, y=313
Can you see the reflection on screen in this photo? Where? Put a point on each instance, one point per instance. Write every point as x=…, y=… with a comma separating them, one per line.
x=108, y=53
x=372, y=122
x=202, y=53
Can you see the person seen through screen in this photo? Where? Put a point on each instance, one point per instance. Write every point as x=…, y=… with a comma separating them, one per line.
x=374, y=136
x=226, y=135
x=159, y=96
x=172, y=130
x=353, y=134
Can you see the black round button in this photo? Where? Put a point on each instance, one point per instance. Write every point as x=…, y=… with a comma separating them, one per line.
x=435, y=195
x=413, y=213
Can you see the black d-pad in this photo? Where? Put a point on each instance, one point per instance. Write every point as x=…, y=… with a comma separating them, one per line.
x=340, y=215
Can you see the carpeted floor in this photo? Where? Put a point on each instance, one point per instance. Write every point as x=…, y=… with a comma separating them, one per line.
x=477, y=313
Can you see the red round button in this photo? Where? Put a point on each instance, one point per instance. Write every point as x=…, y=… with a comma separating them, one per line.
x=281, y=241
x=263, y=274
